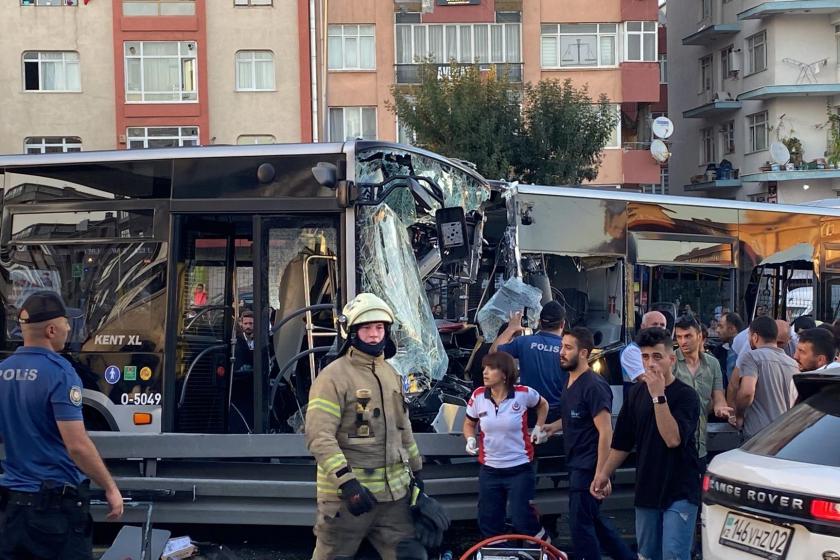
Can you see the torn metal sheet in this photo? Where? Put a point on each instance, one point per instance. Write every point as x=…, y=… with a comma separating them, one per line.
x=514, y=295
x=389, y=269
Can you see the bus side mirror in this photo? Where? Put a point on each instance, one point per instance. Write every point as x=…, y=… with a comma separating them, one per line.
x=452, y=234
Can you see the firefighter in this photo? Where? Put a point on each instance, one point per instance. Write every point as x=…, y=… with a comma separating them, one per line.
x=357, y=428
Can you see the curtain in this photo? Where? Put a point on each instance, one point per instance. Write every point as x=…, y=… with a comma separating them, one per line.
x=497, y=43
x=512, y=38
x=482, y=43
x=404, y=44
x=436, y=44
x=548, y=46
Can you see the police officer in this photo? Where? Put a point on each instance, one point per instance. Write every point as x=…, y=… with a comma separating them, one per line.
x=44, y=491
x=357, y=428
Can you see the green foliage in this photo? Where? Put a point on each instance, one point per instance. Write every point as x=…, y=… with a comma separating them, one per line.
x=463, y=114
x=833, y=147
x=555, y=137
x=564, y=133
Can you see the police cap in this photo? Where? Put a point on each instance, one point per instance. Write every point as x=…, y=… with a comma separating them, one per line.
x=42, y=306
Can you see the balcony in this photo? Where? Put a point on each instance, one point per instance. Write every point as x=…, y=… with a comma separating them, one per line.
x=711, y=34
x=712, y=109
x=799, y=90
x=407, y=74
x=790, y=7
x=716, y=185
x=637, y=165
x=639, y=82
x=797, y=175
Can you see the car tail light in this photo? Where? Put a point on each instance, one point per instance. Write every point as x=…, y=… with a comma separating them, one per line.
x=823, y=509
x=706, y=482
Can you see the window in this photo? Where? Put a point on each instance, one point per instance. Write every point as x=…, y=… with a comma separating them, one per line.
x=162, y=137
x=727, y=134
x=757, y=126
x=581, y=44
x=800, y=434
x=160, y=72
x=664, y=180
x=51, y=144
x=615, y=137
x=404, y=135
x=705, y=9
x=256, y=139
x=348, y=123
x=640, y=41
x=158, y=7
x=757, y=53
x=51, y=71
x=49, y=2
x=252, y=2
x=351, y=47
x=725, y=58
x=707, y=146
x=663, y=68
x=706, y=79
x=254, y=71
x=837, y=45
x=485, y=43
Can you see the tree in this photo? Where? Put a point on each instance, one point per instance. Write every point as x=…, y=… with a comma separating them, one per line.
x=556, y=138
x=565, y=133
x=462, y=112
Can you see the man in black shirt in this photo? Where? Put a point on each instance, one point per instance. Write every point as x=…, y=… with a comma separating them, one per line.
x=659, y=419
x=586, y=417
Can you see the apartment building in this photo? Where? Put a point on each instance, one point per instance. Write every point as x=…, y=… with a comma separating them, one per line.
x=128, y=74
x=611, y=46
x=745, y=76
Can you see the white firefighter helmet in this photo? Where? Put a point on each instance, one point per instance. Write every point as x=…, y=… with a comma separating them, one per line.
x=366, y=308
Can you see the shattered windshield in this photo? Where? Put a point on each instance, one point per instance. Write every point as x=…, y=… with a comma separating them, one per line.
x=387, y=262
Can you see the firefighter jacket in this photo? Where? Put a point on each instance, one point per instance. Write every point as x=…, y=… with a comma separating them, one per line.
x=357, y=426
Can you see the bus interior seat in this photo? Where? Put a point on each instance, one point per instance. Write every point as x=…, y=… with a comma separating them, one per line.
x=291, y=338
x=603, y=330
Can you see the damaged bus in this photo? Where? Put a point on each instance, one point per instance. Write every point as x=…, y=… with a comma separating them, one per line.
x=160, y=253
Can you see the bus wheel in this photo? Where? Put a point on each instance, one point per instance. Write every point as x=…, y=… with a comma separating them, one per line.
x=94, y=420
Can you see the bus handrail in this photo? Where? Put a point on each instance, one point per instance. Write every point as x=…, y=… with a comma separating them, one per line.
x=301, y=311
x=203, y=311
x=274, y=383
x=192, y=365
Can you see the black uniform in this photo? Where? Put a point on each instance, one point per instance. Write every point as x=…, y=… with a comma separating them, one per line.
x=44, y=512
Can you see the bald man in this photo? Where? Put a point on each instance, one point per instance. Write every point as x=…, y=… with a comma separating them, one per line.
x=785, y=339
x=631, y=357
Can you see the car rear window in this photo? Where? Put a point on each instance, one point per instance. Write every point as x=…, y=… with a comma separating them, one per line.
x=807, y=433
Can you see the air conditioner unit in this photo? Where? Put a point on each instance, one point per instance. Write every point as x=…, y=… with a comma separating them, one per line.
x=734, y=61
x=723, y=96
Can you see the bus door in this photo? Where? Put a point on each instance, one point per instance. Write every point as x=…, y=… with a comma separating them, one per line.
x=297, y=298
x=204, y=253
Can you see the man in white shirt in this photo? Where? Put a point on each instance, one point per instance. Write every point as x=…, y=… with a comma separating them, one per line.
x=631, y=357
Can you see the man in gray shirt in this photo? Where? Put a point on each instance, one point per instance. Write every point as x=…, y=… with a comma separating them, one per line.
x=765, y=386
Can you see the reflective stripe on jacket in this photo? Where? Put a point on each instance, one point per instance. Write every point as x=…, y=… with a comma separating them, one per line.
x=373, y=444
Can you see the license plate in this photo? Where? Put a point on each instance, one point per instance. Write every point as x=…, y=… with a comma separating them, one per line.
x=756, y=536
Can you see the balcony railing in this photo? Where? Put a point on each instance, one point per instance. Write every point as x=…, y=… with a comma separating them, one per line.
x=410, y=73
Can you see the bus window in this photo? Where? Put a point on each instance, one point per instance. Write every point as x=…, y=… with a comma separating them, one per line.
x=111, y=291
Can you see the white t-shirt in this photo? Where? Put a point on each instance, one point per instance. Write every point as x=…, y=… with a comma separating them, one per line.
x=503, y=441
x=631, y=363
x=741, y=342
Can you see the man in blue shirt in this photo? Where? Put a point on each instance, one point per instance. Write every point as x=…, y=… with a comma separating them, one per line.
x=538, y=354
x=44, y=497
x=586, y=408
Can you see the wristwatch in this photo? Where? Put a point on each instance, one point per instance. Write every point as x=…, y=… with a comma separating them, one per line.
x=660, y=399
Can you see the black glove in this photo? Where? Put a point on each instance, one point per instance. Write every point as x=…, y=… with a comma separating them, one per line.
x=411, y=550
x=430, y=521
x=359, y=499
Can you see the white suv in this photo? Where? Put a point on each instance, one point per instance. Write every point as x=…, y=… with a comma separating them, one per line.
x=778, y=496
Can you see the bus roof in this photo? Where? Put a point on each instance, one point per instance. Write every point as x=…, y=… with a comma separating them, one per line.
x=626, y=196
x=216, y=151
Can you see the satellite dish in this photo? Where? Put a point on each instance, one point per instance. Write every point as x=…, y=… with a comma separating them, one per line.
x=662, y=127
x=659, y=151
x=779, y=153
